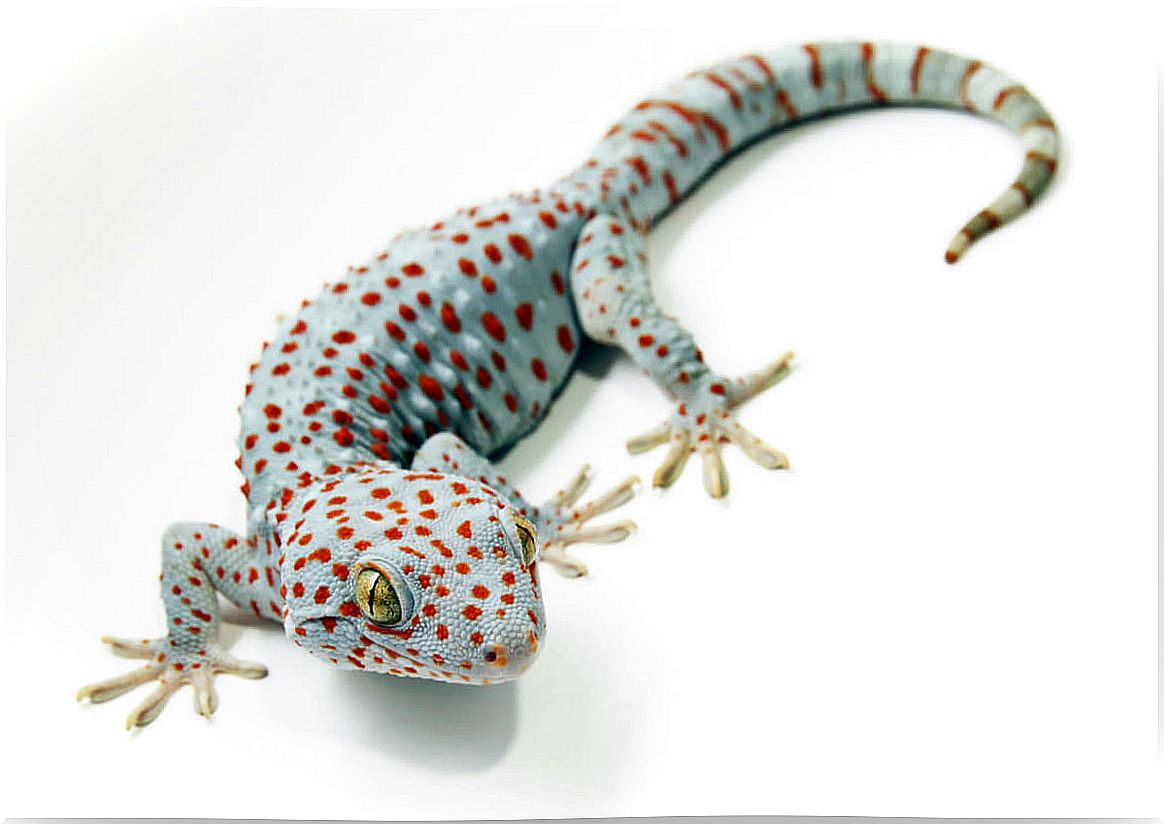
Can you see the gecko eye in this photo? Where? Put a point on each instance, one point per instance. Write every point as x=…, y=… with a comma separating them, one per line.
x=529, y=539
x=377, y=598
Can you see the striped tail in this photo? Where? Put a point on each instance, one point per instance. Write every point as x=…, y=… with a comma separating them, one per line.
x=983, y=89
x=847, y=75
x=690, y=126
x=893, y=73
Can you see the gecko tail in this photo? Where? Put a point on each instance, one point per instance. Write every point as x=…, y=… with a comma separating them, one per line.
x=1038, y=167
x=980, y=88
x=909, y=74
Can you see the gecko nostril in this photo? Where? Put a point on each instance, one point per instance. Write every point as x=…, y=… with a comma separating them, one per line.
x=497, y=656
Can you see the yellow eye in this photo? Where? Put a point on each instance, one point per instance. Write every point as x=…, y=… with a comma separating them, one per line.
x=529, y=539
x=377, y=598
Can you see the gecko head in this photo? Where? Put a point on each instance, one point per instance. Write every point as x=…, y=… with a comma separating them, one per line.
x=411, y=573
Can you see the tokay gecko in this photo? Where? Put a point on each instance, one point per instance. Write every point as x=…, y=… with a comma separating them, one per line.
x=379, y=534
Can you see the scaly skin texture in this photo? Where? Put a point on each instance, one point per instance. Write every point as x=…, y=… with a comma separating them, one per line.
x=367, y=418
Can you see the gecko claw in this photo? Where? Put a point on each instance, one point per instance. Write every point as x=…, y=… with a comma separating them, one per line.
x=171, y=675
x=131, y=647
x=561, y=522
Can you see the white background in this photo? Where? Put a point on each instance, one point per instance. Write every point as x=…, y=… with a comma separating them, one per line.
x=946, y=607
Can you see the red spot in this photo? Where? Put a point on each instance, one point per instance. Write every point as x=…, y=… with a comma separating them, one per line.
x=510, y=402
x=484, y=379
x=458, y=360
x=299, y=328
x=558, y=283
x=489, y=285
x=646, y=340
x=465, y=530
x=370, y=298
x=538, y=368
x=431, y=388
x=871, y=86
x=734, y=96
x=915, y=72
x=480, y=592
x=321, y=595
x=565, y=339
x=492, y=252
x=520, y=245
x=549, y=220
x=493, y=326
x=449, y=317
x=397, y=379
x=298, y=589
x=422, y=351
x=721, y=134
x=468, y=268
x=281, y=369
x=272, y=411
x=442, y=632
x=393, y=330
x=640, y=166
x=344, y=336
x=344, y=437
x=814, y=56
x=413, y=270
x=407, y=312
x=524, y=314
x=471, y=612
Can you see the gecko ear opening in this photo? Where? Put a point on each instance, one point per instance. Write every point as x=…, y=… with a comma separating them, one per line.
x=529, y=539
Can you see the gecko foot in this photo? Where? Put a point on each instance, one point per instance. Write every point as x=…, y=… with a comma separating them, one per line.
x=561, y=521
x=172, y=670
x=707, y=421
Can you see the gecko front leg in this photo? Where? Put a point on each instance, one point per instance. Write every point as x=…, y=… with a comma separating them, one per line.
x=560, y=521
x=615, y=305
x=198, y=561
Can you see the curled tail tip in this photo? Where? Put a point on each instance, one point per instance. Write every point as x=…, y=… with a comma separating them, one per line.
x=958, y=246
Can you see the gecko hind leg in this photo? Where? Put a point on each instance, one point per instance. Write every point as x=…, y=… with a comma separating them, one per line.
x=613, y=296
x=706, y=422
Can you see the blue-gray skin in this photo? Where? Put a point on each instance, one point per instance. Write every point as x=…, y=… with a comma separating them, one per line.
x=450, y=343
